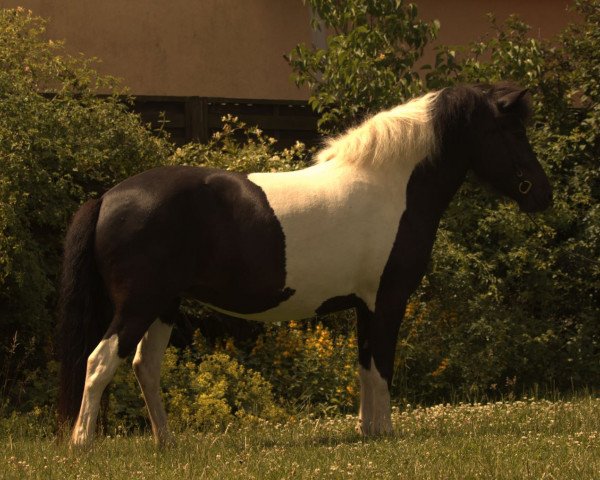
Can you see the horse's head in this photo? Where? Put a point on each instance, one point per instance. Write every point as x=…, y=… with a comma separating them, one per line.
x=503, y=156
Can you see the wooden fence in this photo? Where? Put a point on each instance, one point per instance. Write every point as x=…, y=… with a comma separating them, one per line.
x=197, y=118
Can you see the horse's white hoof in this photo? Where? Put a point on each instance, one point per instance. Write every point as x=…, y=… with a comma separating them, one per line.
x=373, y=430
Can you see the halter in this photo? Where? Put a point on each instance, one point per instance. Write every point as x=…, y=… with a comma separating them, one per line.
x=525, y=185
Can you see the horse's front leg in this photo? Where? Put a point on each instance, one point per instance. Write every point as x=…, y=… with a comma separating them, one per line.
x=146, y=365
x=377, y=335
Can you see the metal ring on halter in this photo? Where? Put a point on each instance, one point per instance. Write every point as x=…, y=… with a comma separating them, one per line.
x=525, y=186
x=519, y=173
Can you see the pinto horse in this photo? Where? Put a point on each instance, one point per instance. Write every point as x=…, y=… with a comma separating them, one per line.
x=354, y=230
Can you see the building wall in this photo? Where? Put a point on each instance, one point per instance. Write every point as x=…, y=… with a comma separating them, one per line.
x=217, y=48
x=463, y=21
x=234, y=48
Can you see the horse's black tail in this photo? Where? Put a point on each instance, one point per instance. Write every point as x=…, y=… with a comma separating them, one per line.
x=84, y=308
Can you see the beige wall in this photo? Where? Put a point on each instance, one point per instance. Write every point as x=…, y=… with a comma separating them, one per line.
x=229, y=48
x=232, y=48
x=463, y=21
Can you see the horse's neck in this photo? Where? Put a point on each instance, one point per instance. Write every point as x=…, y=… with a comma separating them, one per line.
x=431, y=187
x=425, y=188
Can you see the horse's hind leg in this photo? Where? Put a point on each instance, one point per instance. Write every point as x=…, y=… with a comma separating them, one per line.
x=146, y=365
x=101, y=367
x=123, y=334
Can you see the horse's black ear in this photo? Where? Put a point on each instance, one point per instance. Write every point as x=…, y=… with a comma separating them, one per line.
x=511, y=100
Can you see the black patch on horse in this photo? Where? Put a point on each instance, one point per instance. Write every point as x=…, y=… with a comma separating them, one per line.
x=205, y=232
x=337, y=304
x=463, y=115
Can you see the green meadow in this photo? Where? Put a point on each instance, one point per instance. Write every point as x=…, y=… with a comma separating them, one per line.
x=520, y=439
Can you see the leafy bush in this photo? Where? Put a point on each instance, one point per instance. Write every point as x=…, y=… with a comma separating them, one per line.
x=290, y=368
x=207, y=387
x=309, y=365
x=203, y=387
x=217, y=390
x=59, y=144
x=241, y=148
x=369, y=60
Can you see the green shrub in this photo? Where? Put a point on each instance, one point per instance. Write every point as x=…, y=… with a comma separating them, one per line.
x=368, y=63
x=309, y=365
x=241, y=148
x=203, y=388
x=211, y=390
x=59, y=144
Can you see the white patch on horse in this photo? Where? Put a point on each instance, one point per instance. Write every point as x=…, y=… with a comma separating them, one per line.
x=340, y=216
x=375, y=410
x=146, y=365
x=101, y=367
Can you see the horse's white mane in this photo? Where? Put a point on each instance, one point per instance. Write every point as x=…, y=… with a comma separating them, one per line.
x=404, y=134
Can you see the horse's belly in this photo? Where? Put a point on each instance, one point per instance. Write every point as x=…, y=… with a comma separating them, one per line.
x=281, y=313
x=326, y=261
x=317, y=280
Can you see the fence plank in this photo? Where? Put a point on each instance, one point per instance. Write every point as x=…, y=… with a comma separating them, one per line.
x=196, y=118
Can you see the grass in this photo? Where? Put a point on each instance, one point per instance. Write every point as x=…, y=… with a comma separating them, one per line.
x=523, y=439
